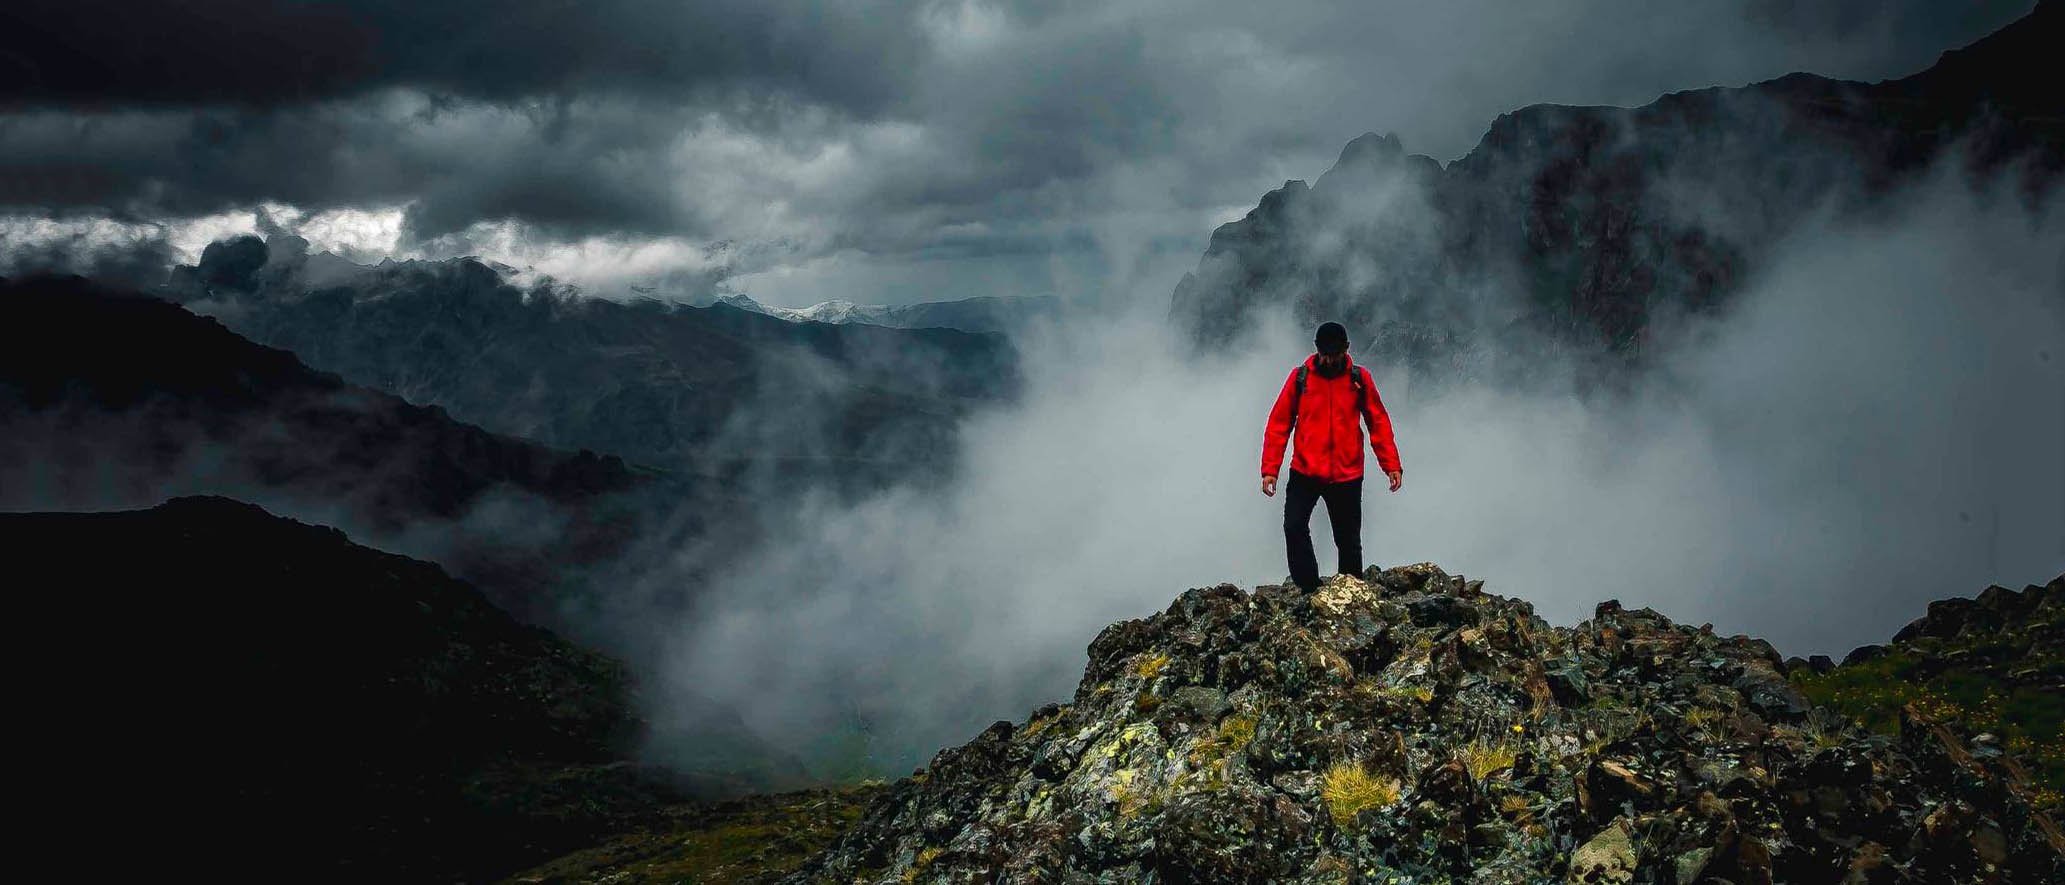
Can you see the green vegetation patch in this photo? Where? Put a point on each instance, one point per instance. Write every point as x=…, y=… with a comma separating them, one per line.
x=2029, y=721
x=751, y=840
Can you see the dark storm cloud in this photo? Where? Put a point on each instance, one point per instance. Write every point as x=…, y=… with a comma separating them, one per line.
x=846, y=134
x=561, y=165
x=277, y=52
x=1903, y=27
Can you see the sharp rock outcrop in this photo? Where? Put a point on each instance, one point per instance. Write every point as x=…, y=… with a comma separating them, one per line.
x=1406, y=726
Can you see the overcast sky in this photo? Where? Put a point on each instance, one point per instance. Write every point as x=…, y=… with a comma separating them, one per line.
x=803, y=151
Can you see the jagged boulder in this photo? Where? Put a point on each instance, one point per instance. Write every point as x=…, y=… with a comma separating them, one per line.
x=1407, y=726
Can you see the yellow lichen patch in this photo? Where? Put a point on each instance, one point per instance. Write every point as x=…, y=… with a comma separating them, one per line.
x=1341, y=592
x=1483, y=758
x=1149, y=666
x=1131, y=796
x=1125, y=739
x=1349, y=788
x=923, y=860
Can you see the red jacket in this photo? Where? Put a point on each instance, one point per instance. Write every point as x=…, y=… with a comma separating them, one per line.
x=1329, y=427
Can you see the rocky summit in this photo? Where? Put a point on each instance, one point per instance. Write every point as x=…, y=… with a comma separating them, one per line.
x=1404, y=726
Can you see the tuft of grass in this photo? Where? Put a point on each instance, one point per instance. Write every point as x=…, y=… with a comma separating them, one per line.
x=1040, y=723
x=1237, y=732
x=1825, y=728
x=1349, y=788
x=1702, y=720
x=1613, y=723
x=1482, y=759
x=1232, y=736
x=1516, y=808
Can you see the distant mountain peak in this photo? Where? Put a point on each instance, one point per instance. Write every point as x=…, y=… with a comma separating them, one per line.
x=1598, y=217
x=1370, y=147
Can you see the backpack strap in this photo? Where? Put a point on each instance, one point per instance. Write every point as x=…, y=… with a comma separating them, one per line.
x=1361, y=392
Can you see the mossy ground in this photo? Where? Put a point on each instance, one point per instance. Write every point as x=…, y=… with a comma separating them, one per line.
x=752, y=840
x=2029, y=720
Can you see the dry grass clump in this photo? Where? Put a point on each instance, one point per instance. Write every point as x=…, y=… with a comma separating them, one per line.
x=1233, y=735
x=1483, y=758
x=1350, y=788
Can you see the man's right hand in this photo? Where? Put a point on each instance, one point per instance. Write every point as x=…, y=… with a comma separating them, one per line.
x=1269, y=486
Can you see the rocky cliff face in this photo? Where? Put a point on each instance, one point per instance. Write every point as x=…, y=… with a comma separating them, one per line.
x=1601, y=219
x=1411, y=727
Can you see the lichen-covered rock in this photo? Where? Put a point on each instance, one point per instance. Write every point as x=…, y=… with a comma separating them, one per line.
x=1406, y=726
x=1608, y=858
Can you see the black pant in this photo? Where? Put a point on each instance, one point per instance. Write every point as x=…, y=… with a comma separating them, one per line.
x=1343, y=509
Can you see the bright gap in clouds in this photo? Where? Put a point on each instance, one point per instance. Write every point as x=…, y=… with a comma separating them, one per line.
x=603, y=266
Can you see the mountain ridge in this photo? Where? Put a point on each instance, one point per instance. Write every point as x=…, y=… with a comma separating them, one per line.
x=712, y=390
x=116, y=399
x=1580, y=211
x=1405, y=725
x=981, y=313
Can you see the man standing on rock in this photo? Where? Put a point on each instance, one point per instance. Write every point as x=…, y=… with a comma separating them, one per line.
x=1326, y=399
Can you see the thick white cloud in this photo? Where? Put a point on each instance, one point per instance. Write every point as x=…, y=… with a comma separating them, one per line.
x=1873, y=425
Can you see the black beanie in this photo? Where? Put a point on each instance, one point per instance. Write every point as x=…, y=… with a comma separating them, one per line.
x=1331, y=338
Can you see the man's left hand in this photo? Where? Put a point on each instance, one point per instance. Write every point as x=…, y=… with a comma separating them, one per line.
x=1397, y=478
